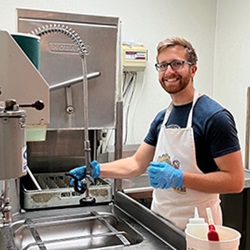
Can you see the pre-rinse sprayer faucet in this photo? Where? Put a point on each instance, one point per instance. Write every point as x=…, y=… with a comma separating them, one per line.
x=65, y=30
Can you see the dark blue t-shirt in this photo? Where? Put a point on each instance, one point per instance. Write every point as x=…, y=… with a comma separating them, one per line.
x=214, y=128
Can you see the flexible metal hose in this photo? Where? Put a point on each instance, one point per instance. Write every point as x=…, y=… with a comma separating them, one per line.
x=65, y=30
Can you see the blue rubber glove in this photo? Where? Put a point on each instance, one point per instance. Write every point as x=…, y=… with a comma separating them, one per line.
x=80, y=172
x=162, y=175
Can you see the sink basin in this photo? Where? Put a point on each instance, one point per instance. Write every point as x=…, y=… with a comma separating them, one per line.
x=89, y=230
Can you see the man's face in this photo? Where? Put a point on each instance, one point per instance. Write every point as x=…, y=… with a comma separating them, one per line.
x=174, y=81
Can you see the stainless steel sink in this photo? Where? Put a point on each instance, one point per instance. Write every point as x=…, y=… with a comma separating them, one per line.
x=89, y=230
x=124, y=224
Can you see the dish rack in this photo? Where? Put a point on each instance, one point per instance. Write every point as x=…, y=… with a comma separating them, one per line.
x=57, y=192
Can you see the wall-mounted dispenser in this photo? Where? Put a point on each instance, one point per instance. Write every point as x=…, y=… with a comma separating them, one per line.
x=134, y=57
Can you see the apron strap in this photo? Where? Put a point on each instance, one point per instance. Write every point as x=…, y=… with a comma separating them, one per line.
x=190, y=116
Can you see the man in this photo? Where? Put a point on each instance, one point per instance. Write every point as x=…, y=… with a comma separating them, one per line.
x=191, y=152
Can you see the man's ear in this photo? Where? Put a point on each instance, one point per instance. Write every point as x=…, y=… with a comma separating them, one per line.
x=193, y=69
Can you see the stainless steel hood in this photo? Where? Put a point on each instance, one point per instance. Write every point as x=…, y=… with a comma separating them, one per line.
x=60, y=63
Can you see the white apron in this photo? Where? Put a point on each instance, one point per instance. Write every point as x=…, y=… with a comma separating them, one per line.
x=177, y=147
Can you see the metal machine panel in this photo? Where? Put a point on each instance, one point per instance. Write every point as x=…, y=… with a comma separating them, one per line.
x=60, y=62
x=20, y=80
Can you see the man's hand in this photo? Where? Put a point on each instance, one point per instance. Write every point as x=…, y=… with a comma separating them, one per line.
x=162, y=175
x=80, y=172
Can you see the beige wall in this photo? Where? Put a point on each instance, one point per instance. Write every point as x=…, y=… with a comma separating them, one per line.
x=232, y=59
x=218, y=29
x=148, y=22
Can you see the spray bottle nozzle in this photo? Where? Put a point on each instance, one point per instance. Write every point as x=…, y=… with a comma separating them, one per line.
x=196, y=219
x=196, y=214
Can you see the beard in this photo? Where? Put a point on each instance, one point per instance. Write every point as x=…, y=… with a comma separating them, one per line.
x=175, y=83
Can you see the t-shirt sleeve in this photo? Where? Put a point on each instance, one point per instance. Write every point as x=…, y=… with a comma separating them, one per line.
x=222, y=134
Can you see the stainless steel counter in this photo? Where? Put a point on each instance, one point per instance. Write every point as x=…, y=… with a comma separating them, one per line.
x=138, y=187
x=147, y=230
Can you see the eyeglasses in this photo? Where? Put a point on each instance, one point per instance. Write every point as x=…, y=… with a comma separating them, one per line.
x=175, y=65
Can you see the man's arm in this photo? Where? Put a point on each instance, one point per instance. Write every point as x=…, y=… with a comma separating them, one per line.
x=131, y=166
x=230, y=178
